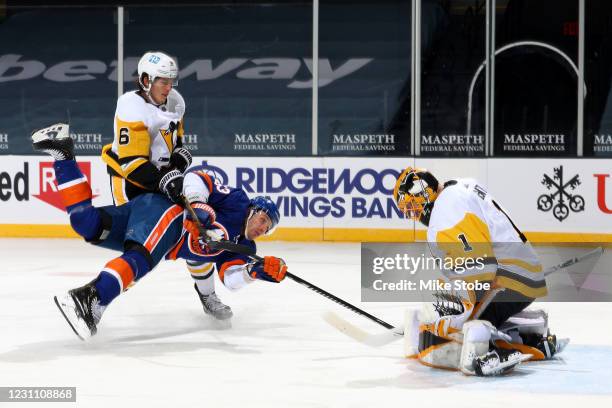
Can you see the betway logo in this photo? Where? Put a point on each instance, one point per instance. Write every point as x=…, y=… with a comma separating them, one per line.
x=14, y=68
x=48, y=191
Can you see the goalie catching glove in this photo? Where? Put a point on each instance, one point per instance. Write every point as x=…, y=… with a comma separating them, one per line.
x=206, y=216
x=271, y=269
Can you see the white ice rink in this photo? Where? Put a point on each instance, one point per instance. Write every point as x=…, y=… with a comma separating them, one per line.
x=156, y=348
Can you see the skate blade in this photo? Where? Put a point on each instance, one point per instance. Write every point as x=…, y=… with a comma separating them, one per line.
x=72, y=325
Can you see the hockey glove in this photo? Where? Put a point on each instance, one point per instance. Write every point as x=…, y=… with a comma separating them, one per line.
x=180, y=159
x=271, y=269
x=206, y=216
x=171, y=184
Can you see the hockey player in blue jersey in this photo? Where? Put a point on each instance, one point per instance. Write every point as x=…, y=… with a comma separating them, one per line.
x=151, y=227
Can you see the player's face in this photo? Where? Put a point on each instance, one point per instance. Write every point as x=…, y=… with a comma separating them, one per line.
x=160, y=89
x=258, y=225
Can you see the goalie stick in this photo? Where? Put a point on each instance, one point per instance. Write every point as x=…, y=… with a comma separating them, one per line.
x=394, y=333
x=591, y=254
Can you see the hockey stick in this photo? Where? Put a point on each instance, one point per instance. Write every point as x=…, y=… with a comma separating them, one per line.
x=380, y=339
x=591, y=254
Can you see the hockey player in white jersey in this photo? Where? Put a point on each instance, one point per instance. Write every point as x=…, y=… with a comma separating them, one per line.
x=147, y=151
x=148, y=140
x=490, y=332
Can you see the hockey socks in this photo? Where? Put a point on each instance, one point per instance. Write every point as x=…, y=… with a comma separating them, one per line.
x=76, y=196
x=119, y=274
x=203, y=276
x=72, y=184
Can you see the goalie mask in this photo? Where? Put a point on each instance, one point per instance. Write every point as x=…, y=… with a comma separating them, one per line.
x=414, y=193
x=156, y=64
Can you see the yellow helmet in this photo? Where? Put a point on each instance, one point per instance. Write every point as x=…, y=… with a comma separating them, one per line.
x=414, y=193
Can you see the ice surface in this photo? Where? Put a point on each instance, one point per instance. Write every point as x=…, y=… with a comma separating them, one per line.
x=156, y=348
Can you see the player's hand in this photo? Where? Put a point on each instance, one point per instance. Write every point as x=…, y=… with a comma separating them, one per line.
x=200, y=237
x=171, y=184
x=205, y=213
x=197, y=241
x=180, y=159
x=270, y=269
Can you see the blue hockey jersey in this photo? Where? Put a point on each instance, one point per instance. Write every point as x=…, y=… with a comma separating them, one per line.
x=231, y=206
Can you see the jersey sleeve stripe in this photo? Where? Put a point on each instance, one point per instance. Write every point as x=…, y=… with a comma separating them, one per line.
x=207, y=180
x=118, y=190
x=133, y=165
x=535, y=268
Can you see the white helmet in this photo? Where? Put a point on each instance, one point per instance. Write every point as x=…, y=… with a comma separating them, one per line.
x=156, y=64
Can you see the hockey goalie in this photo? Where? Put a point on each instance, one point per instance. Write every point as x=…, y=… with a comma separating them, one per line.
x=483, y=332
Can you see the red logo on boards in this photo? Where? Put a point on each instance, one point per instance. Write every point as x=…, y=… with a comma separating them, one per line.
x=601, y=193
x=48, y=191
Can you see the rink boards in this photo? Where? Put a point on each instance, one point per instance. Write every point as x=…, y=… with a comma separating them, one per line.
x=346, y=199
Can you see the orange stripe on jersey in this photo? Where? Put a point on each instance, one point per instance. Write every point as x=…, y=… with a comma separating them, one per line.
x=227, y=265
x=75, y=194
x=162, y=225
x=206, y=179
x=123, y=269
x=174, y=251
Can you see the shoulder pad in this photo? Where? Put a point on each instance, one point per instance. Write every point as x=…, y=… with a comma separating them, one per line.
x=131, y=108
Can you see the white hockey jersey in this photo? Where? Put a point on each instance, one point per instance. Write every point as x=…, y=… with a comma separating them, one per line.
x=143, y=133
x=467, y=223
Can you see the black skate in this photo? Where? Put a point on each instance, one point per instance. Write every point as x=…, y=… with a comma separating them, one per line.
x=82, y=310
x=498, y=362
x=54, y=140
x=213, y=306
x=548, y=344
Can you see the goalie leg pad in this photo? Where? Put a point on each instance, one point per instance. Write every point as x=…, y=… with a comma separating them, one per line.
x=411, y=333
x=528, y=321
x=476, y=337
x=438, y=350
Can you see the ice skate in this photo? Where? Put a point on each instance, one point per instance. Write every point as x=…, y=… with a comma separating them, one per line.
x=551, y=346
x=498, y=362
x=54, y=140
x=213, y=306
x=82, y=310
